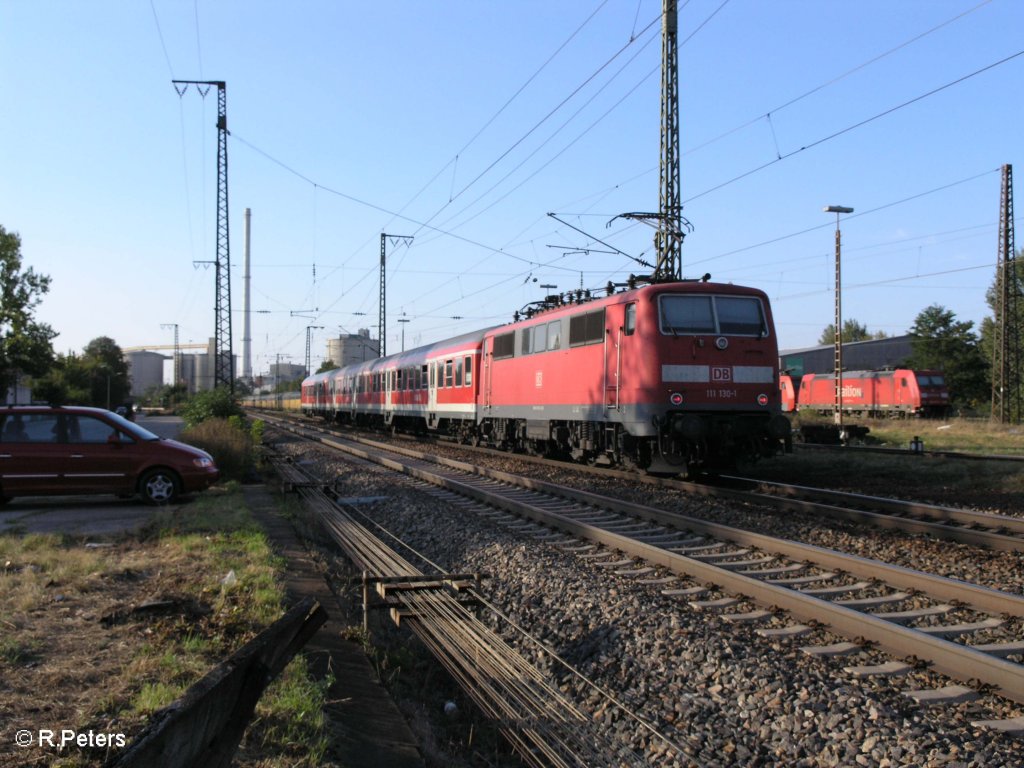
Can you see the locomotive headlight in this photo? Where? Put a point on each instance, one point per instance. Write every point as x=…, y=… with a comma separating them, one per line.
x=676, y=398
x=762, y=399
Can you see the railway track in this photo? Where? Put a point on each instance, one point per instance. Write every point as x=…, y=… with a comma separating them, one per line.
x=986, y=529
x=822, y=447
x=788, y=587
x=997, y=532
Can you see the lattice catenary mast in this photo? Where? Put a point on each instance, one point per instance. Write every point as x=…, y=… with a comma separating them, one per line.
x=382, y=326
x=224, y=359
x=1006, y=357
x=670, y=234
x=668, y=221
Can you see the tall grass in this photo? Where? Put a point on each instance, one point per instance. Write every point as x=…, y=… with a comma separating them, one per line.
x=228, y=442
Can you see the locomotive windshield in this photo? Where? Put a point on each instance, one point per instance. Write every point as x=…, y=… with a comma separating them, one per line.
x=733, y=315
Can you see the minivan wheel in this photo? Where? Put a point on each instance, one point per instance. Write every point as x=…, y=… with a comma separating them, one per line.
x=159, y=486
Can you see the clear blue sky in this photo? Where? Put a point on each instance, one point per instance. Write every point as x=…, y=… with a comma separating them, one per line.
x=464, y=123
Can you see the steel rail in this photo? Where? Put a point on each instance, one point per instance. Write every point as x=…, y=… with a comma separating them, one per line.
x=898, y=506
x=904, y=452
x=953, y=659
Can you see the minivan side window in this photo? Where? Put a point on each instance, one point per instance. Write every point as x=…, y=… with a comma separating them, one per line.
x=30, y=428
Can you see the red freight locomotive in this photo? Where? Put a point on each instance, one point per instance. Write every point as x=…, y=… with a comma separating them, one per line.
x=669, y=377
x=874, y=394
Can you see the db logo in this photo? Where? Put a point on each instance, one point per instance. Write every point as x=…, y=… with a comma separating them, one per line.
x=719, y=373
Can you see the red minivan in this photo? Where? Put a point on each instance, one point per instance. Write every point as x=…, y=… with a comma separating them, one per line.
x=50, y=451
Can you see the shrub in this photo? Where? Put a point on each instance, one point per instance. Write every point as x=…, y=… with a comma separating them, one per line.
x=212, y=404
x=230, y=446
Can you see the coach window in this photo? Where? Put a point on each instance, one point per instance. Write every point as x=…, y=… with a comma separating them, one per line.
x=447, y=373
x=629, y=326
x=458, y=372
x=424, y=377
x=469, y=371
x=555, y=335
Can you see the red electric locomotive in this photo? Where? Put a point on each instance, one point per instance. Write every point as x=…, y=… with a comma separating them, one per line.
x=669, y=377
x=876, y=394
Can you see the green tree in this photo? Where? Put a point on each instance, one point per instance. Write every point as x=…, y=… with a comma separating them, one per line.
x=327, y=365
x=852, y=331
x=24, y=343
x=98, y=377
x=943, y=343
x=107, y=369
x=66, y=383
x=1014, y=330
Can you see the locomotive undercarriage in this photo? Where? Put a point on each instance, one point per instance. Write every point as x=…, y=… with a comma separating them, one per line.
x=684, y=443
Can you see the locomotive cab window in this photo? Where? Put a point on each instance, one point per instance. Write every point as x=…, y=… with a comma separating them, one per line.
x=740, y=315
x=733, y=315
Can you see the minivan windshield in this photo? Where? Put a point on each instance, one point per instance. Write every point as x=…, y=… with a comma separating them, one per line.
x=133, y=429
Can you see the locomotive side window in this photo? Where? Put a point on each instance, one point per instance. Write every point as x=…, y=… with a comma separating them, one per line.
x=629, y=326
x=586, y=328
x=540, y=338
x=740, y=315
x=555, y=335
x=469, y=371
x=504, y=345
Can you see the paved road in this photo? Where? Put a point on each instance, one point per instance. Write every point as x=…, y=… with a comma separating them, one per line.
x=94, y=515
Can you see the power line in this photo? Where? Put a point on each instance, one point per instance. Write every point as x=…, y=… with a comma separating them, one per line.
x=767, y=115
x=876, y=209
x=853, y=127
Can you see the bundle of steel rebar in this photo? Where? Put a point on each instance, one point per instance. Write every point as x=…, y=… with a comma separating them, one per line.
x=544, y=726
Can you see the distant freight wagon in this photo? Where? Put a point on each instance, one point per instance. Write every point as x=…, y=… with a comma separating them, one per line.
x=874, y=394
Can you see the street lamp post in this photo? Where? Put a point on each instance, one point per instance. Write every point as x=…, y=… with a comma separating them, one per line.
x=838, y=416
x=403, y=321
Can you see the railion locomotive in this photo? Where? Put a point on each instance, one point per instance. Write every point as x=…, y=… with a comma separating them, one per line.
x=670, y=377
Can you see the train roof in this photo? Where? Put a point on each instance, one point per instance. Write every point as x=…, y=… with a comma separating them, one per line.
x=875, y=374
x=549, y=311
